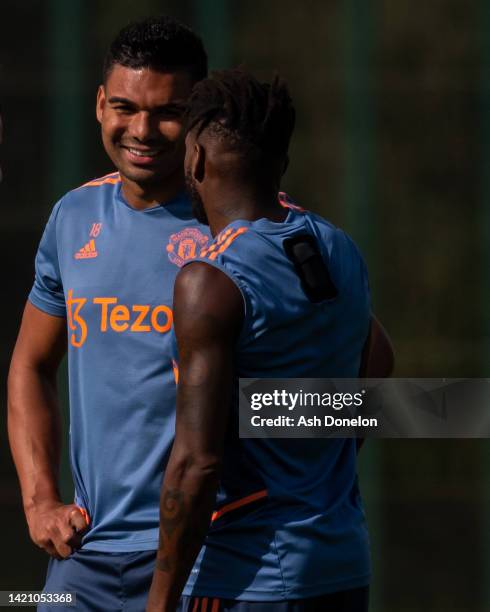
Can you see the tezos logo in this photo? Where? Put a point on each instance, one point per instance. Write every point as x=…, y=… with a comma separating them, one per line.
x=119, y=318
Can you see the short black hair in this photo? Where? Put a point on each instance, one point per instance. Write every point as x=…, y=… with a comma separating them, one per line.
x=234, y=106
x=161, y=43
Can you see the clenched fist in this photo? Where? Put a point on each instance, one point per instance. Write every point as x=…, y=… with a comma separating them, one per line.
x=57, y=528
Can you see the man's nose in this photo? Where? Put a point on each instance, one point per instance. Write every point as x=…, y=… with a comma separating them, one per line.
x=142, y=126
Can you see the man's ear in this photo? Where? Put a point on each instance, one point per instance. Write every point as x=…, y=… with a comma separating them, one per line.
x=199, y=162
x=100, y=104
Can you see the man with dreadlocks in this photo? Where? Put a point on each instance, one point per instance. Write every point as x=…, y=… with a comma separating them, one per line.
x=281, y=521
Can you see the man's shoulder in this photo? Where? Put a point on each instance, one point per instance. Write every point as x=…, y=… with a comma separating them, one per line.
x=89, y=193
x=330, y=234
x=93, y=188
x=114, y=178
x=291, y=203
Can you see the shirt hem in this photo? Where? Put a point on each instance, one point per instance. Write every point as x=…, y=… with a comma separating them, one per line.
x=141, y=546
x=303, y=592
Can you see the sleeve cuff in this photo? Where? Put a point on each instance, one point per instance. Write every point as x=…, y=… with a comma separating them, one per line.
x=47, y=306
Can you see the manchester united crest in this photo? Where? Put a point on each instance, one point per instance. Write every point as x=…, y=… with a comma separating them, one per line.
x=185, y=245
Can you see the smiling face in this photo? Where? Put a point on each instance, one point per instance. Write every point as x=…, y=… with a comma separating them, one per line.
x=140, y=112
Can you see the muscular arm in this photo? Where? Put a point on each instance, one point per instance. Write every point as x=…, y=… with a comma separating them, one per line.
x=35, y=432
x=208, y=315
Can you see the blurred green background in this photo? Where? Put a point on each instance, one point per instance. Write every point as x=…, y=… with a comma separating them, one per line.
x=392, y=143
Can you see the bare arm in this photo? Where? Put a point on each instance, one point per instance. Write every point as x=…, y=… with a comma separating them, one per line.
x=34, y=431
x=208, y=315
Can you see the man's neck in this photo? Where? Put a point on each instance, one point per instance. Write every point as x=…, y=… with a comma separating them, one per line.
x=245, y=204
x=142, y=197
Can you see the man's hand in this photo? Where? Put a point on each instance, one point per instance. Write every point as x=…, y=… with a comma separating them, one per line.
x=57, y=528
x=34, y=427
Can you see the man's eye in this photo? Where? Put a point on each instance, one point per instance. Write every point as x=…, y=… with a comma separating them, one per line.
x=125, y=110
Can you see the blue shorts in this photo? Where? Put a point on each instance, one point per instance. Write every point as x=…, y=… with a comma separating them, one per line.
x=102, y=582
x=354, y=600
x=108, y=582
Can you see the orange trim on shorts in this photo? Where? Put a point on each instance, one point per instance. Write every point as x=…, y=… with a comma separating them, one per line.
x=204, y=604
x=238, y=504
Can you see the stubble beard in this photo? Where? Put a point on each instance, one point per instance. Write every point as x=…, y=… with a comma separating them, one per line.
x=198, y=209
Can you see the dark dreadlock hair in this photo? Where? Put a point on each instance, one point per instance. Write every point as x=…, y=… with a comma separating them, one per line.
x=161, y=43
x=250, y=116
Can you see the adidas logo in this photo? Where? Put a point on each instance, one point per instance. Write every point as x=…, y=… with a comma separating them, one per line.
x=87, y=252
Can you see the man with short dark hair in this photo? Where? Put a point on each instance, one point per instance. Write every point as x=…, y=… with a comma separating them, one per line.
x=105, y=271
x=280, y=293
